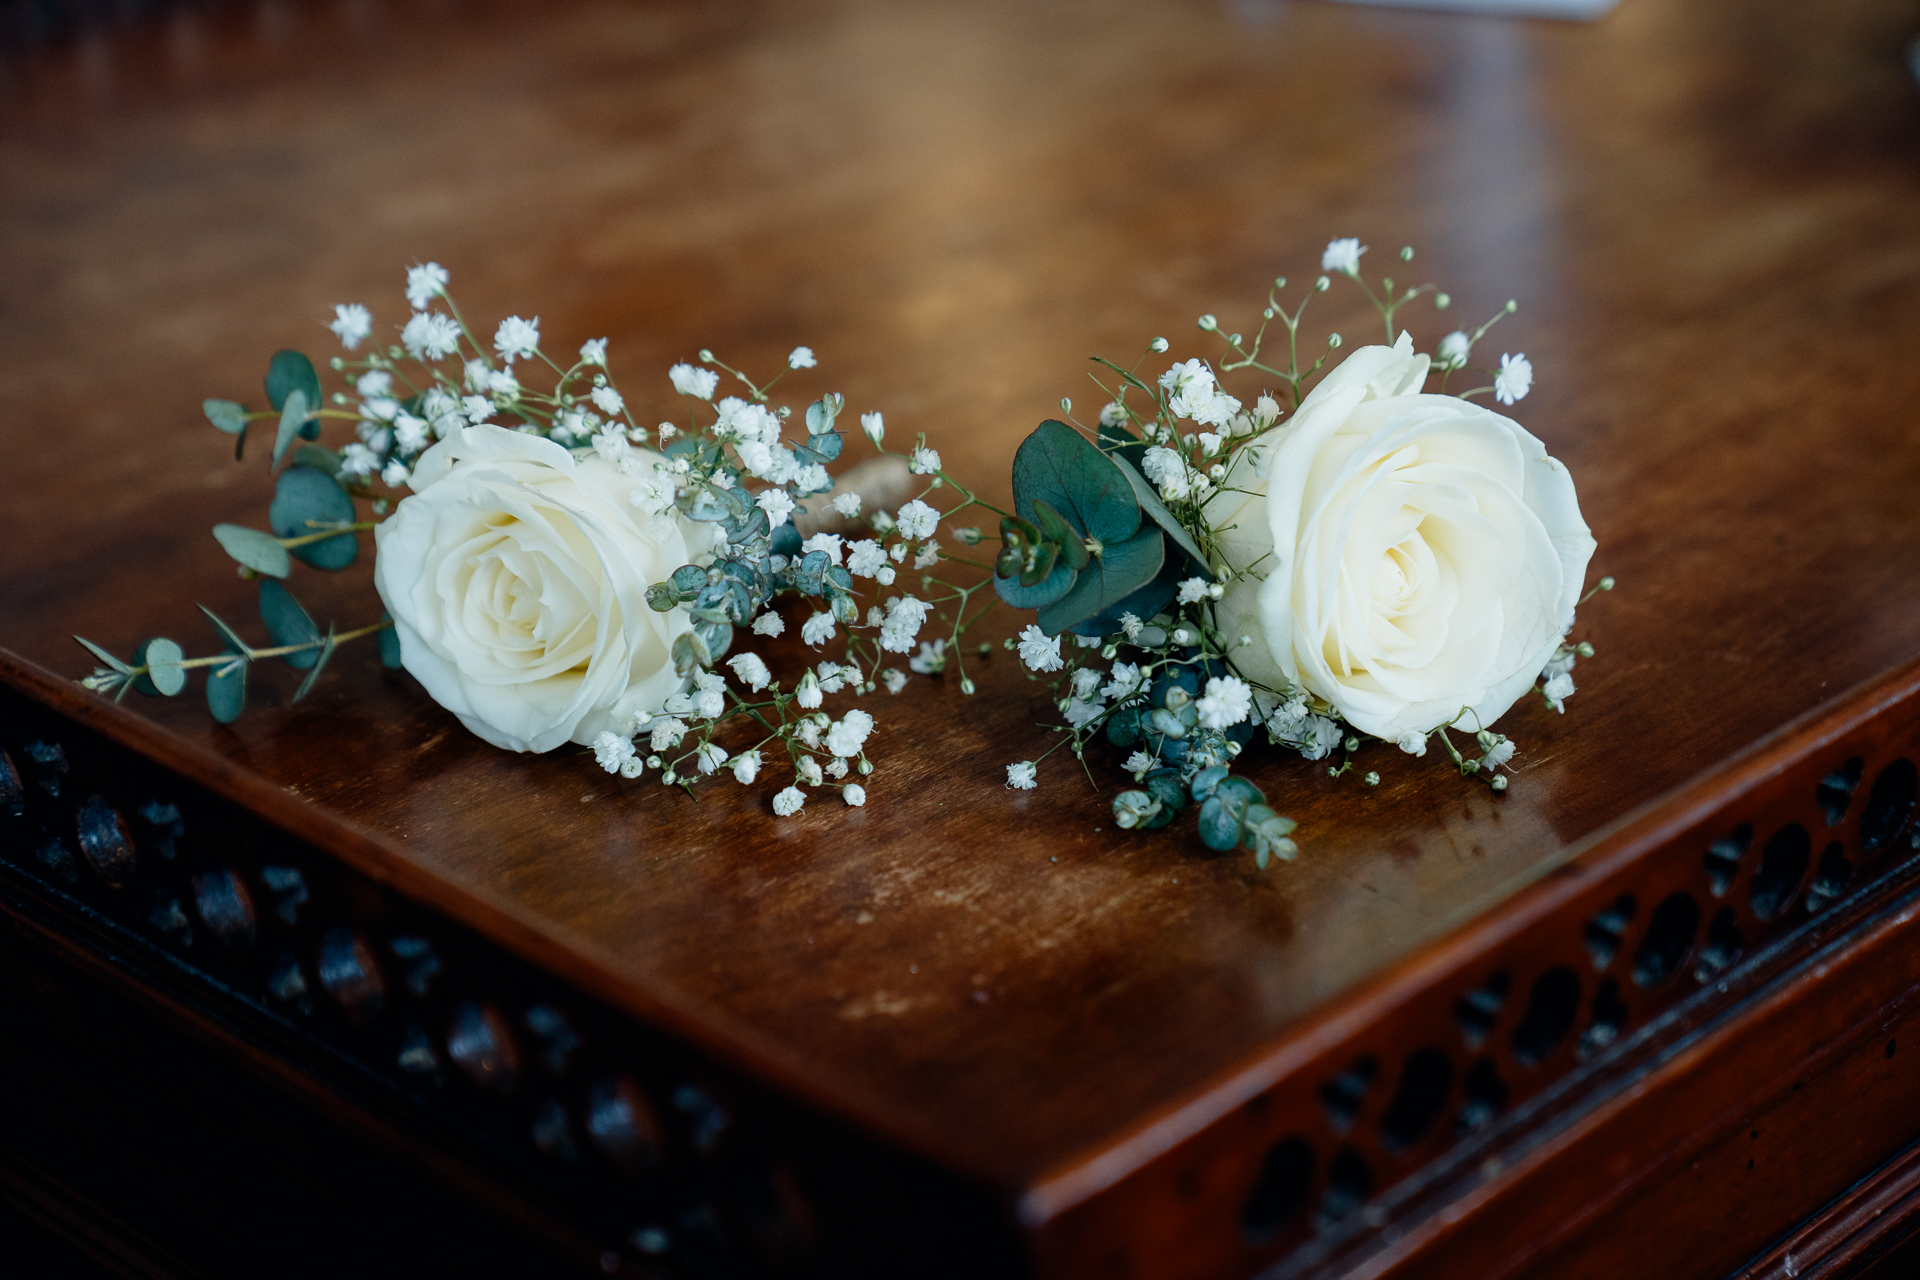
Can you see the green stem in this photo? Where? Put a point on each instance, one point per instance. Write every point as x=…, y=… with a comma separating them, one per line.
x=305, y=538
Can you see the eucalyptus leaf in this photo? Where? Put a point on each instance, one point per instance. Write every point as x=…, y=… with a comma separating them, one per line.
x=288, y=623
x=1040, y=595
x=707, y=506
x=1059, y=466
x=390, y=652
x=1143, y=603
x=258, y=551
x=1123, y=726
x=1157, y=510
x=1109, y=578
x=717, y=637
x=232, y=638
x=292, y=418
x=1219, y=825
x=826, y=445
x=303, y=497
x=1206, y=780
x=822, y=412
x=1045, y=556
x=111, y=661
x=1073, y=548
x=227, y=687
x=319, y=457
x=225, y=415
x=161, y=657
x=319, y=665
x=287, y=372
x=1166, y=787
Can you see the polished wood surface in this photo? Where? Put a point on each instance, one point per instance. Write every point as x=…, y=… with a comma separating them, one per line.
x=1707, y=212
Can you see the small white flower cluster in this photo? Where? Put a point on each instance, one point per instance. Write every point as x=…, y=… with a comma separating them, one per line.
x=398, y=421
x=679, y=742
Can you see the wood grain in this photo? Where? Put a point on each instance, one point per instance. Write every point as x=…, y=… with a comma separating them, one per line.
x=1707, y=212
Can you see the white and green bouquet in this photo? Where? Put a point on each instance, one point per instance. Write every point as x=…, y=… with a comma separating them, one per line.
x=1347, y=559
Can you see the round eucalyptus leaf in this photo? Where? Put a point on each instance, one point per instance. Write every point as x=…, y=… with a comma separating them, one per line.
x=162, y=658
x=1206, y=780
x=1111, y=577
x=288, y=623
x=1123, y=726
x=662, y=597
x=254, y=549
x=287, y=372
x=1219, y=825
x=1143, y=603
x=1166, y=787
x=822, y=412
x=227, y=688
x=307, y=494
x=1239, y=793
x=1041, y=594
x=1059, y=466
x=225, y=415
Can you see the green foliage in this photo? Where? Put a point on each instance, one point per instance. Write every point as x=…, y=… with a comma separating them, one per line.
x=293, y=419
x=319, y=457
x=227, y=687
x=1077, y=552
x=1233, y=811
x=1059, y=466
x=164, y=675
x=228, y=635
x=258, y=551
x=1109, y=579
x=303, y=498
x=111, y=661
x=288, y=623
x=822, y=412
x=225, y=415
x=319, y=664
x=287, y=372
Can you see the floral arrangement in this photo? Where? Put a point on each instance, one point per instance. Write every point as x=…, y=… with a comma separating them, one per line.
x=1364, y=559
x=1350, y=557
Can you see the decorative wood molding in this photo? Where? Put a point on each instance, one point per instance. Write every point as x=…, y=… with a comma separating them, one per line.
x=1537, y=1013
x=571, y=1110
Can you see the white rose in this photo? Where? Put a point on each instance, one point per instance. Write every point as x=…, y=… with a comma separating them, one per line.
x=516, y=575
x=1422, y=554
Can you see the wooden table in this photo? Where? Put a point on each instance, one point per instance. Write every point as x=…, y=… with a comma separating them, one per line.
x=1638, y=1016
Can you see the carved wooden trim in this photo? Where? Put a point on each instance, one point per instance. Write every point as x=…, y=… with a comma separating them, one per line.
x=646, y=1148
x=1357, y=1130
x=1851, y=1234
